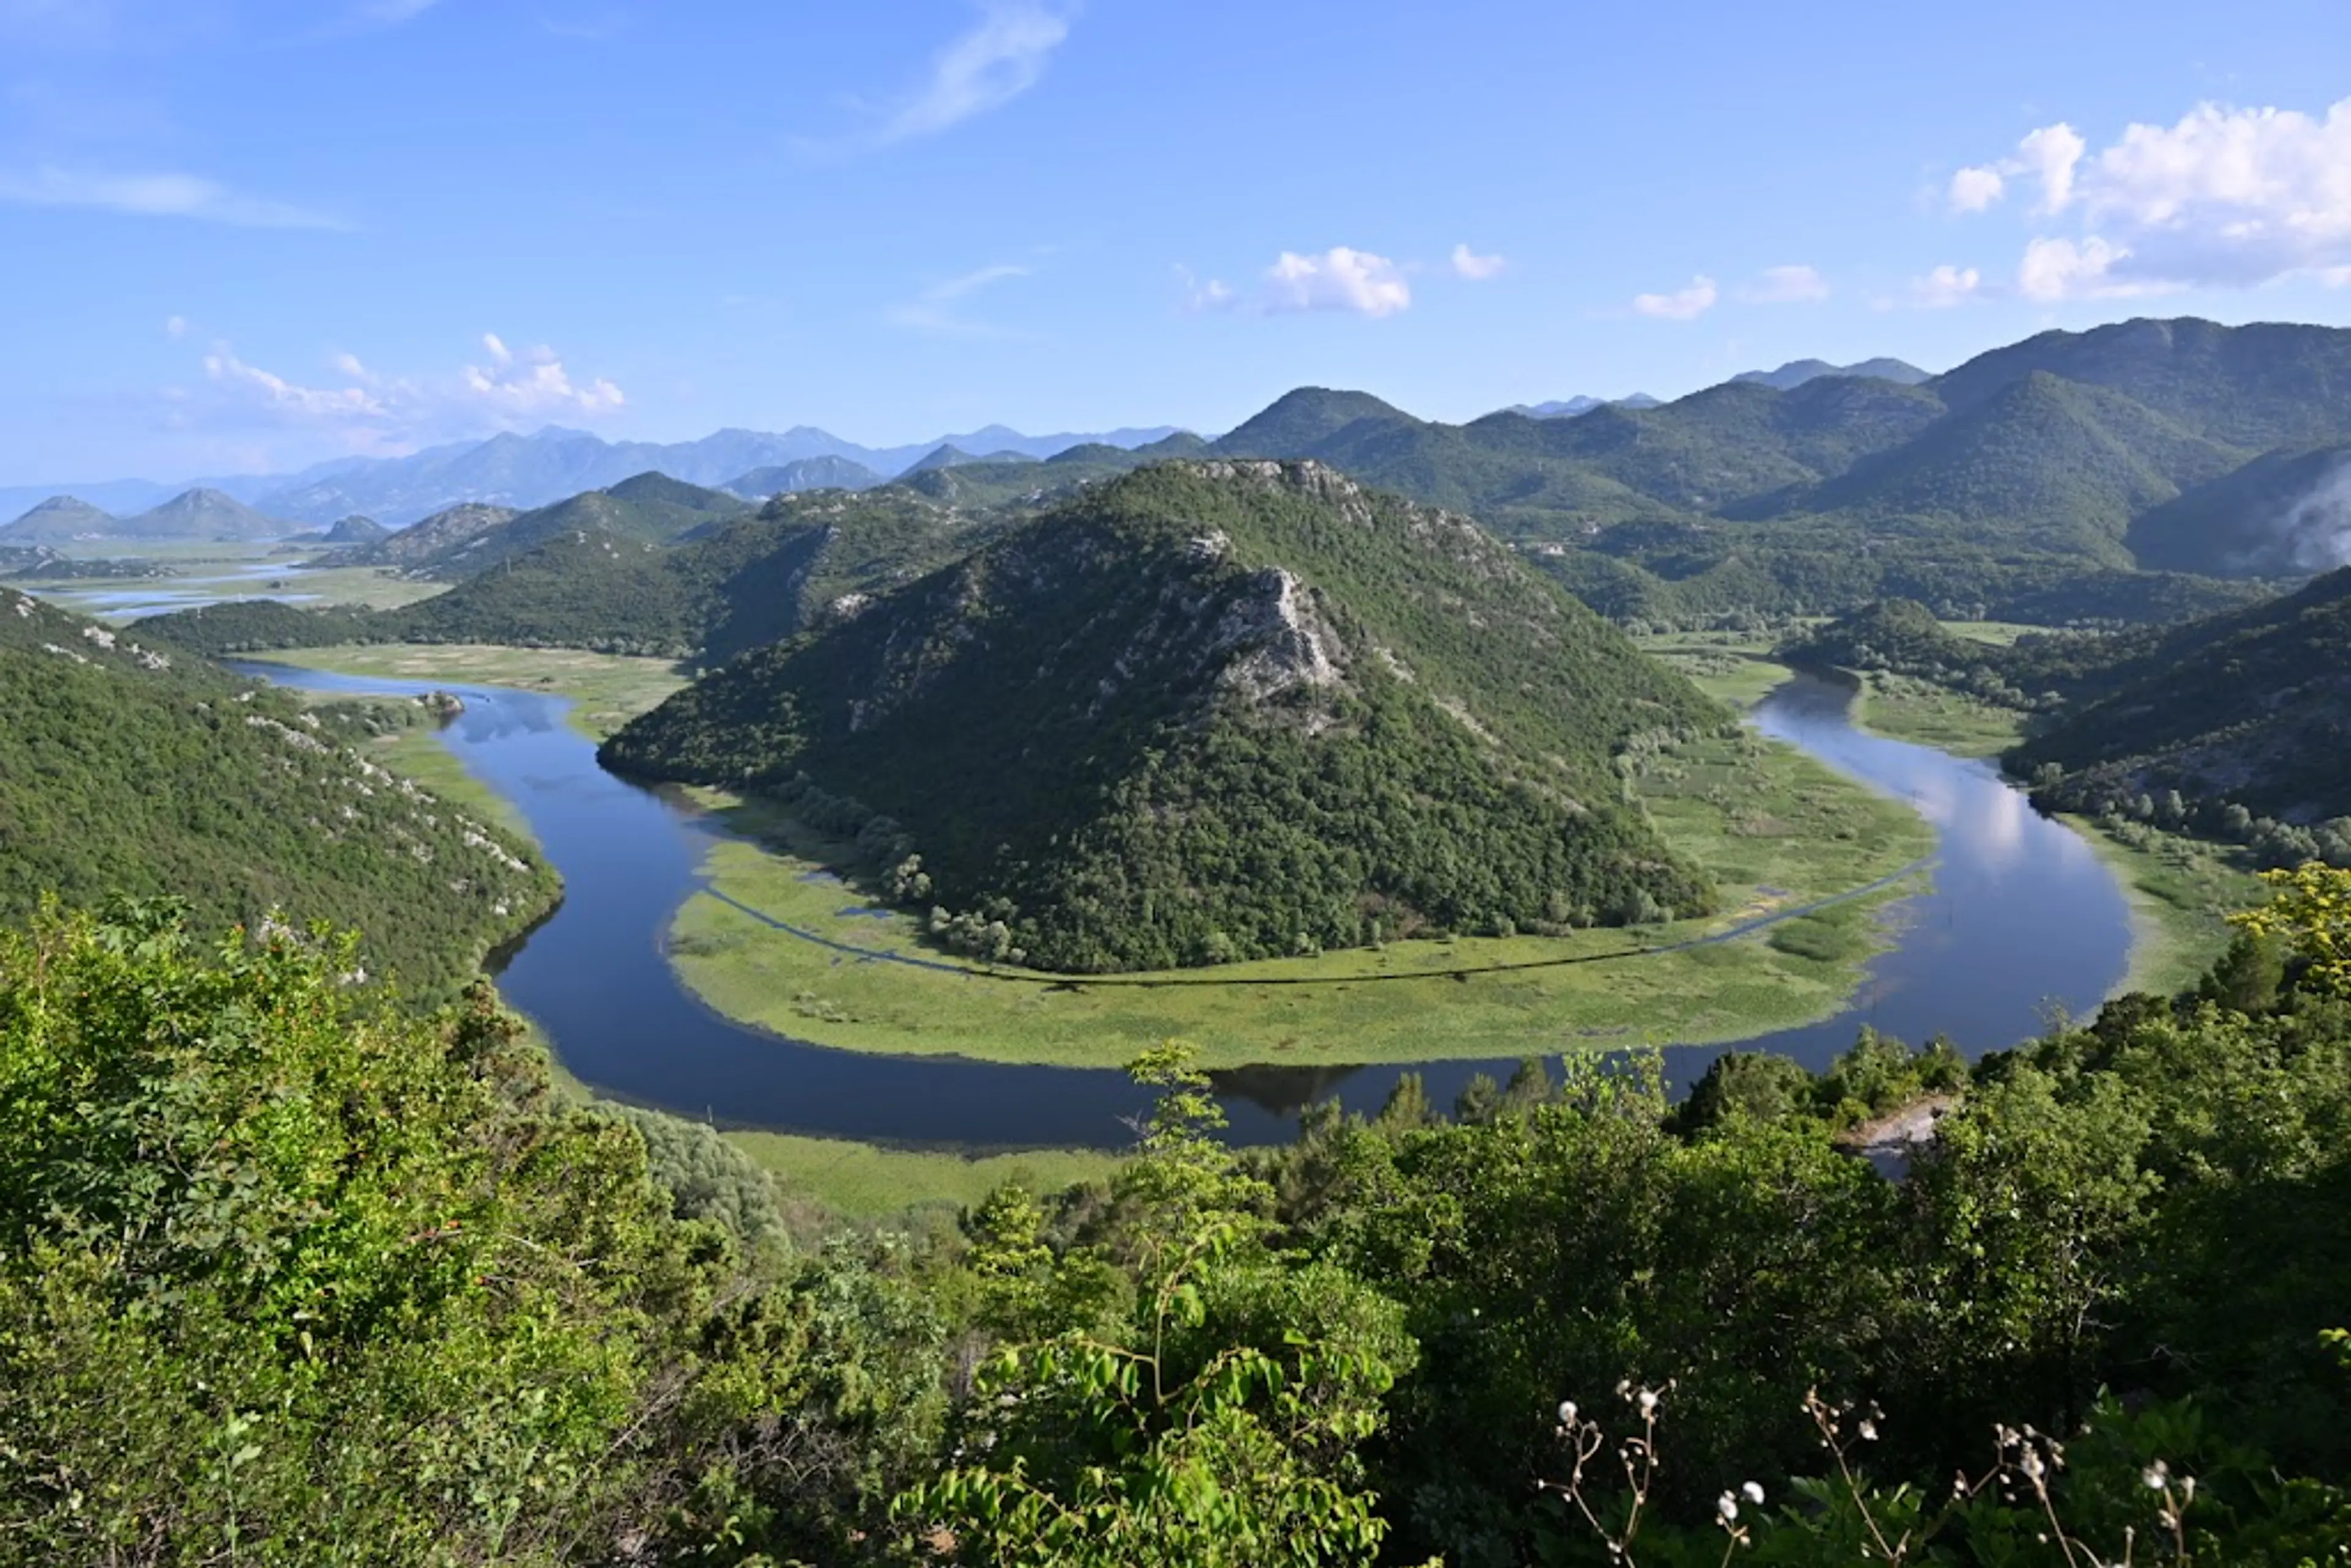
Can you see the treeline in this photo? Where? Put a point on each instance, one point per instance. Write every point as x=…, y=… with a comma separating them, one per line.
x=290, y=1277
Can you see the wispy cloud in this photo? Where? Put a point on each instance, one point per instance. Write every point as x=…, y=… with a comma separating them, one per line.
x=1469, y=264
x=1001, y=58
x=1682, y=304
x=364, y=412
x=1945, y=286
x=1786, y=285
x=2226, y=198
x=158, y=196
x=1199, y=294
x=933, y=309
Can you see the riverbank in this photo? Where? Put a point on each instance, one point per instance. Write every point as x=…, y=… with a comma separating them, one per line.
x=2181, y=891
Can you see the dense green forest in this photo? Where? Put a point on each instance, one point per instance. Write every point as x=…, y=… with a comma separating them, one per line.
x=1212, y=711
x=733, y=583
x=289, y=1277
x=128, y=771
x=2028, y=483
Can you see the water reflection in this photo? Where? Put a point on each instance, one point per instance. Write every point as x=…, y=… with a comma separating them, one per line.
x=2022, y=915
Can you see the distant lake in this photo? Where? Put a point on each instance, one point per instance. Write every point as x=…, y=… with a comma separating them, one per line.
x=141, y=596
x=2024, y=921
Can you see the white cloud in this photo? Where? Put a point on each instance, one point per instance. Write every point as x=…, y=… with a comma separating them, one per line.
x=986, y=68
x=157, y=196
x=1682, y=305
x=1469, y=264
x=2225, y=198
x=2052, y=154
x=369, y=413
x=318, y=405
x=535, y=382
x=1786, y=285
x=175, y=327
x=1338, y=279
x=1945, y=286
x=2055, y=269
x=1974, y=190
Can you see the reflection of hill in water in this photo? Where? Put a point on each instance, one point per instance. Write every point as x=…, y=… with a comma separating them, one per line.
x=1285, y=1091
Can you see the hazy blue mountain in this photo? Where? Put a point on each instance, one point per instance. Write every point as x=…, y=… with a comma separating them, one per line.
x=58, y=519
x=202, y=513
x=356, y=530
x=1567, y=408
x=527, y=471
x=445, y=531
x=1796, y=372
x=805, y=474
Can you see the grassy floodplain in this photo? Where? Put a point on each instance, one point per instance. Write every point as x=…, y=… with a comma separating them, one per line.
x=200, y=572
x=1779, y=831
x=864, y=1182
x=1910, y=709
x=605, y=690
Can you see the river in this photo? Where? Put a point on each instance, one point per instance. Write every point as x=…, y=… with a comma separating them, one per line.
x=2023, y=920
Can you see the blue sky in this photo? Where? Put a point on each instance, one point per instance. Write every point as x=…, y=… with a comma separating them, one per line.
x=252, y=233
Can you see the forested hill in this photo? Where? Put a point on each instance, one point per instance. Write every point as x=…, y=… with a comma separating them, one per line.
x=2031, y=482
x=129, y=770
x=1213, y=710
x=737, y=582
x=2252, y=707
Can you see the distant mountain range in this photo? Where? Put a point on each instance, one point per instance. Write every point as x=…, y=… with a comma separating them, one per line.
x=198, y=514
x=1787, y=378
x=528, y=471
x=1796, y=372
x=1569, y=408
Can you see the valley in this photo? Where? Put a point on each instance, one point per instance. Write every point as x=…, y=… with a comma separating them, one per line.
x=1021, y=784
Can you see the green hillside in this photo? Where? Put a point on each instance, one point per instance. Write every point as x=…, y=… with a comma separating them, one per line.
x=2259, y=386
x=2284, y=513
x=126, y=770
x=740, y=582
x=411, y=548
x=649, y=510
x=2034, y=478
x=2060, y=466
x=2252, y=707
x=1210, y=711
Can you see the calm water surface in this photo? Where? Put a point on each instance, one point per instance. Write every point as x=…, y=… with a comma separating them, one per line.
x=2022, y=919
